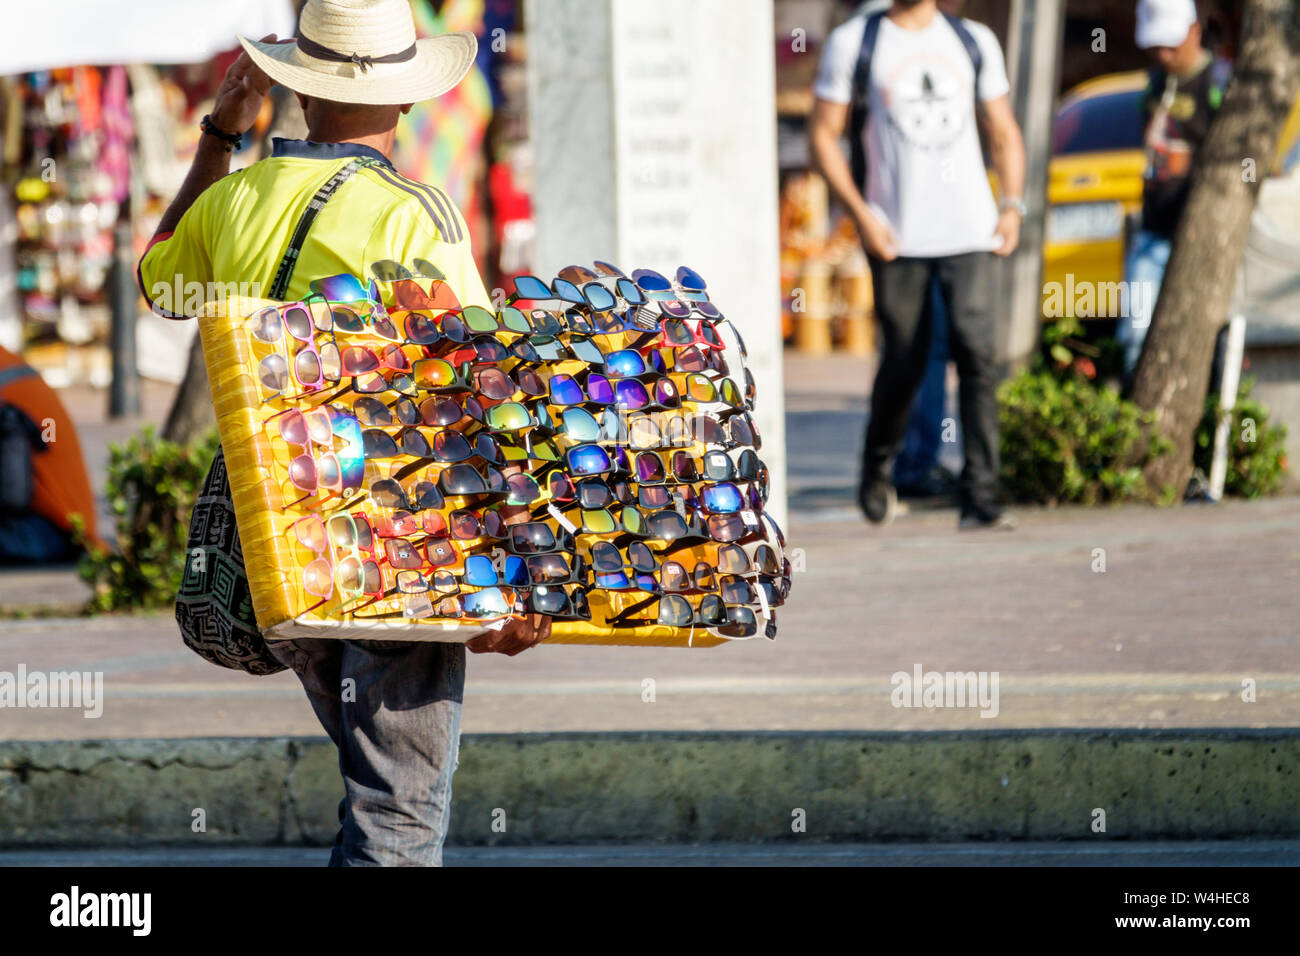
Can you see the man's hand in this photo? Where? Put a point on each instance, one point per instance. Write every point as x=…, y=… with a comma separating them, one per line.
x=1008, y=231
x=240, y=97
x=877, y=238
x=515, y=638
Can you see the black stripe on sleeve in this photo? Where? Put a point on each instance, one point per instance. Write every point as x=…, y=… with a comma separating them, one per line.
x=455, y=234
x=394, y=180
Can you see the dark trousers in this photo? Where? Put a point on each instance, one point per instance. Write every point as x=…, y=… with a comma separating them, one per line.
x=966, y=286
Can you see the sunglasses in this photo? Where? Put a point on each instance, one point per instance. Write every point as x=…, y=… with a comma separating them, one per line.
x=269, y=326
x=443, y=445
x=764, y=559
x=481, y=571
x=443, y=411
x=537, y=537
x=674, y=578
x=480, y=349
x=409, y=294
x=389, y=493
x=590, y=493
x=358, y=573
x=359, y=359
x=318, y=575
x=495, y=384
x=554, y=568
x=440, y=376
x=739, y=431
x=464, y=480
x=629, y=363
x=559, y=602
x=373, y=413
x=698, y=387
x=302, y=428
x=337, y=474
x=374, y=321
x=565, y=390
x=511, y=417
x=610, y=569
x=403, y=524
x=496, y=450
x=489, y=604
x=387, y=270
x=676, y=611
x=509, y=319
x=695, y=359
x=682, y=333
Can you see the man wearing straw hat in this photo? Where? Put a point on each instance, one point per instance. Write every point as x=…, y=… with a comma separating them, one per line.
x=356, y=66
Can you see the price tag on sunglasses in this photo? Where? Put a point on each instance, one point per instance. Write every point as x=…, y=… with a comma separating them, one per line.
x=497, y=625
x=762, y=600
x=565, y=523
x=749, y=518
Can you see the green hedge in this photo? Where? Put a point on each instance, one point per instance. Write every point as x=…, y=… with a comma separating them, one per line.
x=151, y=488
x=1065, y=430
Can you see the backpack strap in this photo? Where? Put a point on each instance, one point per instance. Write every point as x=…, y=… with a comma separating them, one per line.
x=972, y=48
x=862, y=99
x=282, y=276
x=1220, y=77
x=862, y=85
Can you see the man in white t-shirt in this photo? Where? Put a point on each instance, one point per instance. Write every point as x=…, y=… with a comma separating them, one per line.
x=925, y=210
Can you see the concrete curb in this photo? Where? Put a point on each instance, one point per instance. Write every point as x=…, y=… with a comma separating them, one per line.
x=679, y=787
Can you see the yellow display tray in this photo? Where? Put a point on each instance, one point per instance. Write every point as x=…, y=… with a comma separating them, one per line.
x=274, y=559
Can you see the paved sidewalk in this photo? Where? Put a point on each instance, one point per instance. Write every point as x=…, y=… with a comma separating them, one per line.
x=1193, y=601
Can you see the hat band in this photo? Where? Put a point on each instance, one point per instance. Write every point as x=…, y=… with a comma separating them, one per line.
x=312, y=48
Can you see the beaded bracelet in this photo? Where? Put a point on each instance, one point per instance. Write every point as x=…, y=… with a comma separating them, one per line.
x=233, y=141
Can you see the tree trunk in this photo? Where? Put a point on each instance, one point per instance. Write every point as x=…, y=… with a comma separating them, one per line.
x=191, y=412
x=1174, y=370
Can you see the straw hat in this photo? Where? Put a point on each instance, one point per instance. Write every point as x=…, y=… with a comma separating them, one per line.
x=364, y=51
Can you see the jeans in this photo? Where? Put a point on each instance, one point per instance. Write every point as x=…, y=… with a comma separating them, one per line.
x=33, y=539
x=919, y=455
x=1144, y=270
x=966, y=287
x=397, y=729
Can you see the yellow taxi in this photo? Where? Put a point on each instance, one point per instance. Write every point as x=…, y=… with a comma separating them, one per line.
x=1095, y=182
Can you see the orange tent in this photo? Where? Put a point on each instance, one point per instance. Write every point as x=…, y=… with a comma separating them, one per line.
x=61, y=486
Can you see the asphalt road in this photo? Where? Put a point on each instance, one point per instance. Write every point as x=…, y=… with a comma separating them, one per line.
x=1200, y=854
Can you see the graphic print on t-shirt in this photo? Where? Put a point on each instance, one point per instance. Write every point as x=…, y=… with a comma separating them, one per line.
x=927, y=101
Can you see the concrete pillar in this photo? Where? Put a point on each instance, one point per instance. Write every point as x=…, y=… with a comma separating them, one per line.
x=1033, y=54
x=654, y=135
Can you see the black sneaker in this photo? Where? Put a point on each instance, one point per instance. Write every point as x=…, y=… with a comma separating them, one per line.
x=975, y=521
x=878, y=501
x=938, y=482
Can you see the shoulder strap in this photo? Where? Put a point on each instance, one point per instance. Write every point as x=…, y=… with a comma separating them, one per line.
x=862, y=98
x=282, y=276
x=862, y=72
x=1220, y=77
x=973, y=51
x=969, y=42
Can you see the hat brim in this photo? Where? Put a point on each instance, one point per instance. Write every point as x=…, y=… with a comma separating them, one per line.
x=439, y=64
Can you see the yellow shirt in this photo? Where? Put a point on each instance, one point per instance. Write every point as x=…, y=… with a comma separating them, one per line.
x=232, y=239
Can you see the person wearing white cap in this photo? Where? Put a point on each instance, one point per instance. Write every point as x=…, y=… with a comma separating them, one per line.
x=1184, y=90
x=355, y=66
